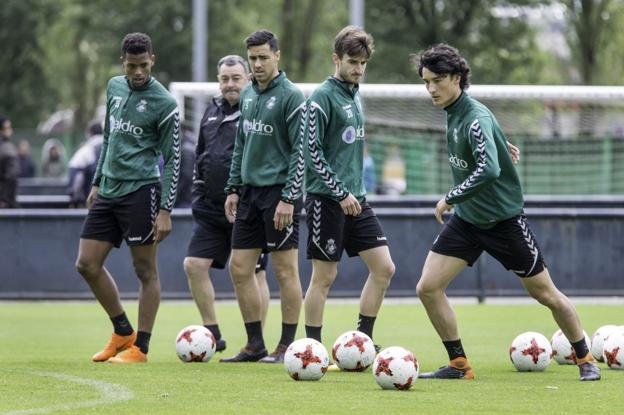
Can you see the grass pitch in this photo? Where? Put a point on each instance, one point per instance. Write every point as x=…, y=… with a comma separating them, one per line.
x=45, y=366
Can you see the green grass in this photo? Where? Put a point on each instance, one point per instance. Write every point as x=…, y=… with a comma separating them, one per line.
x=45, y=351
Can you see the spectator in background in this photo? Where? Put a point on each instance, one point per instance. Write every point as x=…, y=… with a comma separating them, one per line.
x=9, y=166
x=53, y=158
x=82, y=165
x=370, y=180
x=26, y=162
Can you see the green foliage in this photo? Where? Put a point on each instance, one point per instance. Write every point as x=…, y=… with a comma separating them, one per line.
x=46, y=350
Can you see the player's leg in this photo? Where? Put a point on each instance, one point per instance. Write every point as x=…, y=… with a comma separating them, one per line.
x=242, y=267
x=541, y=288
x=438, y=272
x=323, y=276
x=100, y=233
x=381, y=269
x=286, y=268
x=513, y=243
x=263, y=287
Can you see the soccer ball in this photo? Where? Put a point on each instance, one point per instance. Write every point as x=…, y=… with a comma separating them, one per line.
x=562, y=350
x=613, y=352
x=195, y=344
x=530, y=352
x=353, y=351
x=306, y=359
x=395, y=368
x=598, y=340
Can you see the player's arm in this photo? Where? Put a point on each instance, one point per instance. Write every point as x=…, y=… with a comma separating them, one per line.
x=170, y=147
x=97, y=177
x=315, y=128
x=294, y=114
x=232, y=189
x=481, y=139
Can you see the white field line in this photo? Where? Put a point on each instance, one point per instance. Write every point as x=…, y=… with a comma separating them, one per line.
x=110, y=393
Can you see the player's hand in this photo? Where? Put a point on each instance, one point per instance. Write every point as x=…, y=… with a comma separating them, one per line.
x=231, y=203
x=440, y=208
x=283, y=215
x=514, y=152
x=92, y=196
x=350, y=205
x=162, y=225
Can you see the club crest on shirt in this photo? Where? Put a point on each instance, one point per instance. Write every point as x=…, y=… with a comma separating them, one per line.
x=141, y=105
x=330, y=247
x=271, y=102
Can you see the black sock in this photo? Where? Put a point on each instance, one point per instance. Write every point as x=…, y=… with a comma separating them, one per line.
x=121, y=325
x=288, y=333
x=580, y=348
x=454, y=349
x=214, y=329
x=313, y=332
x=365, y=325
x=254, y=335
x=142, y=341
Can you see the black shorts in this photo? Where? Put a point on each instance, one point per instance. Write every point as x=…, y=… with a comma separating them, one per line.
x=330, y=230
x=130, y=217
x=213, y=241
x=254, y=226
x=511, y=242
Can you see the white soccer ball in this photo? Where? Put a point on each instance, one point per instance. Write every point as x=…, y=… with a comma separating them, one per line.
x=530, y=352
x=395, y=368
x=562, y=350
x=613, y=352
x=195, y=344
x=306, y=359
x=353, y=351
x=598, y=340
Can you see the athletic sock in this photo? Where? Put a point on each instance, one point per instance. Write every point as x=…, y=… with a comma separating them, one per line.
x=454, y=349
x=580, y=348
x=288, y=333
x=365, y=325
x=121, y=325
x=313, y=332
x=214, y=329
x=142, y=341
x=254, y=335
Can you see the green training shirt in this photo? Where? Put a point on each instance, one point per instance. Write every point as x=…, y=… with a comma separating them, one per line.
x=141, y=125
x=334, y=134
x=268, y=147
x=487, y=188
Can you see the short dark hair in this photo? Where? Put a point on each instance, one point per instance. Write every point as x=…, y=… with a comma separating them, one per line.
x=353, y=41
x=444, y=59
x=261, y=37
x=136, y=44
x=232, y=60
x=3, y=120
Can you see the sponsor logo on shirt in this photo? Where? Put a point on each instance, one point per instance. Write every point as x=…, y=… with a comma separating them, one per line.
x=350, y=134
x=258, y=127
x=124, y=126
x=457, y=162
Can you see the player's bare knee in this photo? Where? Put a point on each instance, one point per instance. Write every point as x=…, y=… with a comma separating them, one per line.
x=384, y=272
x=425, y=290
x=192, y=267
x=145, y=271
x=88, y=270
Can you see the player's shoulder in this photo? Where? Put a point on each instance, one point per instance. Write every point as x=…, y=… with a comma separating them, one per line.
x=117, y=82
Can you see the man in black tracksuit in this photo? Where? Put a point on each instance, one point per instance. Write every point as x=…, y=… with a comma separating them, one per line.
x=210, y=244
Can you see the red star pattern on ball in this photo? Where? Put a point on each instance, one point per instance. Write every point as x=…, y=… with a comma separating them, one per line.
x=410, y=358
x=307, y=357
x=334, y=350
x=357, y=341
x=612, y=357
x=383, y=366
x=534, y=351
x=186, y=336
x=197, y=357
x=404, y=386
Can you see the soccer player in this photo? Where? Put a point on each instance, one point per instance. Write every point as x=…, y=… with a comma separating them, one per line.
x=488, y=203
x=125, y=202
x=338, y=215
x=210, y=244
x=264, y=190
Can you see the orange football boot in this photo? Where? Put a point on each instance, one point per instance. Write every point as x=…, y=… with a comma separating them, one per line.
x=131, y=355
x=115, y=345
